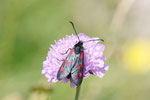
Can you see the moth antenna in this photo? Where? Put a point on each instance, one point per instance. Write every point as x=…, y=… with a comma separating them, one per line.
x=74, y=29
x=94, y=40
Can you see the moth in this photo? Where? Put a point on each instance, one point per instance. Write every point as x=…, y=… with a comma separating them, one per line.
x=73, y=66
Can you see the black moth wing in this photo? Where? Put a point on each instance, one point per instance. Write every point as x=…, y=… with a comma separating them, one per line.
x=77, y=70
x=67, y=65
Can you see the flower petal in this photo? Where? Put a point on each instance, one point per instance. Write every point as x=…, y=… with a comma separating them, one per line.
x=93, y=58
x=72, y=85
x=65, y=80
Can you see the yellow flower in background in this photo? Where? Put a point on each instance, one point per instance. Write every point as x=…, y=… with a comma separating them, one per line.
x=137, y=55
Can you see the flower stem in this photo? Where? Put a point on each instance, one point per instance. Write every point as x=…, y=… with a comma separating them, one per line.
x=77, y=93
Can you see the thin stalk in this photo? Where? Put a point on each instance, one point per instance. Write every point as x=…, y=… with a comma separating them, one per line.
x=77, y=93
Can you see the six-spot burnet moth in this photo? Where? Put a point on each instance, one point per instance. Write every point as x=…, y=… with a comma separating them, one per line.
x=73, y=65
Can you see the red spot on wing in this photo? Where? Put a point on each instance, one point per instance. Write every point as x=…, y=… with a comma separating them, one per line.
x=71, y=52
x=63, y=73
x=81, y=55
x=62, y=68
x=81, y=65
x=80, y=74
x=65, y=60
x=78, y=66
x=67, y=63
x=73, y=62
x=76, y=77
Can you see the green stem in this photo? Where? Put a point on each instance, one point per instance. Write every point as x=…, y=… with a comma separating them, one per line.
x=77, y=93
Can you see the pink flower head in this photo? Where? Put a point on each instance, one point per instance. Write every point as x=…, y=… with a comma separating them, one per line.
x=93, y=58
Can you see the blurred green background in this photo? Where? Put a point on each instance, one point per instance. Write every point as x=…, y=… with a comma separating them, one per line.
x=28, y=27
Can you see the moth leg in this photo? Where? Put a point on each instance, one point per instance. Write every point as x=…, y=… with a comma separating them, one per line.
x=66, y=52
x=63, y=54
x=91, y=72
x=84, y=49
